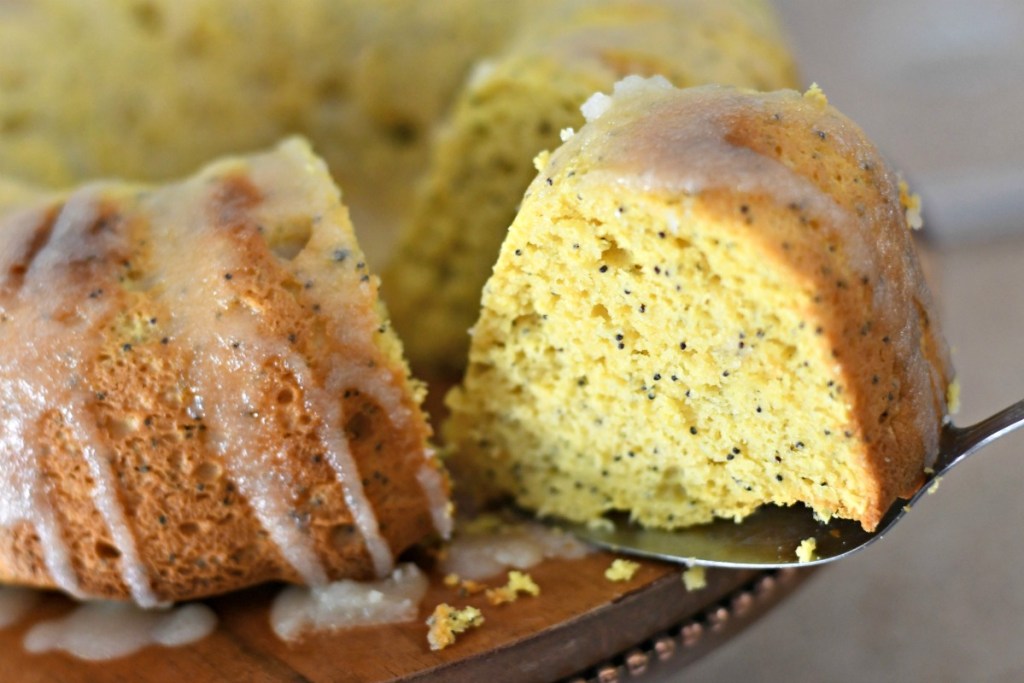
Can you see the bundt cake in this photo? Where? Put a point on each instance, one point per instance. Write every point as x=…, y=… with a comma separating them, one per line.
x=148, y=90
x=152, y=90
x=516, y=105
x=709, y=301
x=202, y=390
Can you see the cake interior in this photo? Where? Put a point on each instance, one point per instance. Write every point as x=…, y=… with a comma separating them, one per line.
x=486, y=154
x=652, y=357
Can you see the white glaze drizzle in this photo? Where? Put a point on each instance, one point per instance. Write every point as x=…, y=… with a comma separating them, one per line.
x=39, y=371
x=482, y=554
x=207, y=318
x=354, y=315
x=339, y=456
x=376, y=382
x=379, y=383
x=104, y=497
x=224, y=377
x=55, y=551
x=433, y=487
x=23, y=499
x=344, y=604
x=305, y=177
x=107, y=630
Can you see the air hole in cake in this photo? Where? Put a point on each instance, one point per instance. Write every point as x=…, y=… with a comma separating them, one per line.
x=525, y=322
x=176, y=460
x=120, y=429
x=616, y=256
x=285, y=396
x=208, y=472
x=599, y=311
x=244, y=556
x=189, y=528
x=292, y=287
x=343, y=535
x=287, y=239
x=107, y=551
x=358, y=427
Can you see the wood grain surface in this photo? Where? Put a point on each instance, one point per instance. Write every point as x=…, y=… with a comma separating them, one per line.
x=580, y=620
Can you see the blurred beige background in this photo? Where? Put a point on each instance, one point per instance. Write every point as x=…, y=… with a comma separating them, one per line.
x=939, y=84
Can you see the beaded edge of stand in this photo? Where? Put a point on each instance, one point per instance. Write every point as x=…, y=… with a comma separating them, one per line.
x=635, y=662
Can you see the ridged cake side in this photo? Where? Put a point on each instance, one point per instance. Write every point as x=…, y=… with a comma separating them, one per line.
x=710, y=300
x=202, y=390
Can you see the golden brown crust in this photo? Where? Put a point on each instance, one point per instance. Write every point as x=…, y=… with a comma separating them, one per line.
x=884, y=351
x=195, y=532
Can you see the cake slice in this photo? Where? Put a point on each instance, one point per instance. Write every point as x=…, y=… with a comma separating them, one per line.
x=516, y=105
x=202, y=391
x=709, y=301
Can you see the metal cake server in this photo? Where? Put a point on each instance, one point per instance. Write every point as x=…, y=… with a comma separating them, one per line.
x=769, y=538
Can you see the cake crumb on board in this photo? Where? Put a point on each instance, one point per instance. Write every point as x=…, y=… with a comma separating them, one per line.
x=695, y=578
x=621, y=570
x=519, y=583
x=446, y=622
x=807, y=551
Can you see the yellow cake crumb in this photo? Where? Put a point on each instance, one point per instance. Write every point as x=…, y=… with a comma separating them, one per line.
x=817, y=95
x=823, y=516
x=807, y=550
x=541, y=160
x=911, y=203
x=464, y=586
x=935, y=485
x=519, y=583
x=447, y=621
x=621, y=570
x=695, y=578
x=953, y=397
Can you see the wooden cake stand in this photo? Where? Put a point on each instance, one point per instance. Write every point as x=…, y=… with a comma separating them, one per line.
x=582, y=627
